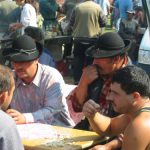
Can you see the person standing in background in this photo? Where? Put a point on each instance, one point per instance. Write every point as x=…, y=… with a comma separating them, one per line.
x=86, y=22
x=105, y=5
x=129, y=29
x=123, y=6
x=28, y=15
x=67, y=9
x=48, y=9
x=9, y=12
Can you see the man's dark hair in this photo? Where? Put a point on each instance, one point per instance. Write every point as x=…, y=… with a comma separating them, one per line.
x=5, y=78
x=133, y=79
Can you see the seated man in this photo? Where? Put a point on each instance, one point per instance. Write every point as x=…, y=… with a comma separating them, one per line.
x=109, y=55
x=130, y=96
x=38, y=96
x=9, y=137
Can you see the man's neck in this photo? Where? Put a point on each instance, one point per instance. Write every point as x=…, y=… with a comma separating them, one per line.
x=145, y=102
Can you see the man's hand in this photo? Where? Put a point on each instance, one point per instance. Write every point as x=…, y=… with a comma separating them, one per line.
x=15, y=26
x=16, y=115
x=101, y=147
x=89, y=75
x=114, y=144
x=90, y=108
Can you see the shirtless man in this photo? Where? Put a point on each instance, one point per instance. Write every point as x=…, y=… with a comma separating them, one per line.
x=129, y=95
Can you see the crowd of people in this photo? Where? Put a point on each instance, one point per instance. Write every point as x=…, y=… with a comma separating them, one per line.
x=111, y=92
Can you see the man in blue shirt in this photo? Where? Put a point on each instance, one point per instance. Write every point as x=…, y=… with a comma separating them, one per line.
x=123, y=6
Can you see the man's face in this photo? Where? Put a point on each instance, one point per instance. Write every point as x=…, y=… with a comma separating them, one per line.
x=19, y=2
x=121, y=101
x=130, y=16
x=25, y=70
x=106, y=65
x=9, y=95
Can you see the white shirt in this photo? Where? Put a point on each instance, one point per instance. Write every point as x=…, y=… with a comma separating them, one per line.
x=28, y=16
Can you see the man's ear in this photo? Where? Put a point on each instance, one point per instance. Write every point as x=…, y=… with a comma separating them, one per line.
x=136, y=95
x=3, y=97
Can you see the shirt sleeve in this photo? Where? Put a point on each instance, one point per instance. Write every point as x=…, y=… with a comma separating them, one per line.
x=29, y=117
x=54, y=109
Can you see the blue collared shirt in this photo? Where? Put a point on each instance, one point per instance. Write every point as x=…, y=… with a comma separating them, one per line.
x=43, y=100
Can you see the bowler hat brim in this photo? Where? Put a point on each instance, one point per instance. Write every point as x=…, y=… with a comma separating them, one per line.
x=21, y=55
x=96, y=52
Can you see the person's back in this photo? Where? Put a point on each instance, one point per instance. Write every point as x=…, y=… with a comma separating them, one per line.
x=9, y=136
x=123, y=6
x=87, y=20
x=48, y=9
x=9, y=12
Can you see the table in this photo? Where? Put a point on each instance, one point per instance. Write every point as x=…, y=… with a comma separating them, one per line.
x=55, y=45
x=61, y=138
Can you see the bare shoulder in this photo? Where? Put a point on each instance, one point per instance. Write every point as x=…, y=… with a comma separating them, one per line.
x=136, y=135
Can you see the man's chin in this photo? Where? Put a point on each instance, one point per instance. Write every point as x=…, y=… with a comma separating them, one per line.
x=21, y=75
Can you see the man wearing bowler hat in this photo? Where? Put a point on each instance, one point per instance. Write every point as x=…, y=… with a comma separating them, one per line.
x=38, y=96
x=110, y=54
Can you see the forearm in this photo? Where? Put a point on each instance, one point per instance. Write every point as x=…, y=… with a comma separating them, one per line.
x=75, y=97
x=81, y=93
x=100, y=124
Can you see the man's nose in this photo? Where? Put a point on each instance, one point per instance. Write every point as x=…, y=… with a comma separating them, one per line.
x=109, y=96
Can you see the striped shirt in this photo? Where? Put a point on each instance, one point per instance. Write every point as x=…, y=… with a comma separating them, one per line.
x=43, y=99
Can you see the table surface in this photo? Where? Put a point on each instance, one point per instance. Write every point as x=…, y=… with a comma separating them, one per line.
x=67, y=139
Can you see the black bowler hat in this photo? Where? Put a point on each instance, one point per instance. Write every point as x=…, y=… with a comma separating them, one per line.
x=36, y=33
x=23, y=49
x=108, y=45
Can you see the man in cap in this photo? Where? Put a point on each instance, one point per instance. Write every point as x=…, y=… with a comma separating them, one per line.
x=129, y=29
x=38, y=96
x=130, y=96
x=9, y=137
x=110, y=54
